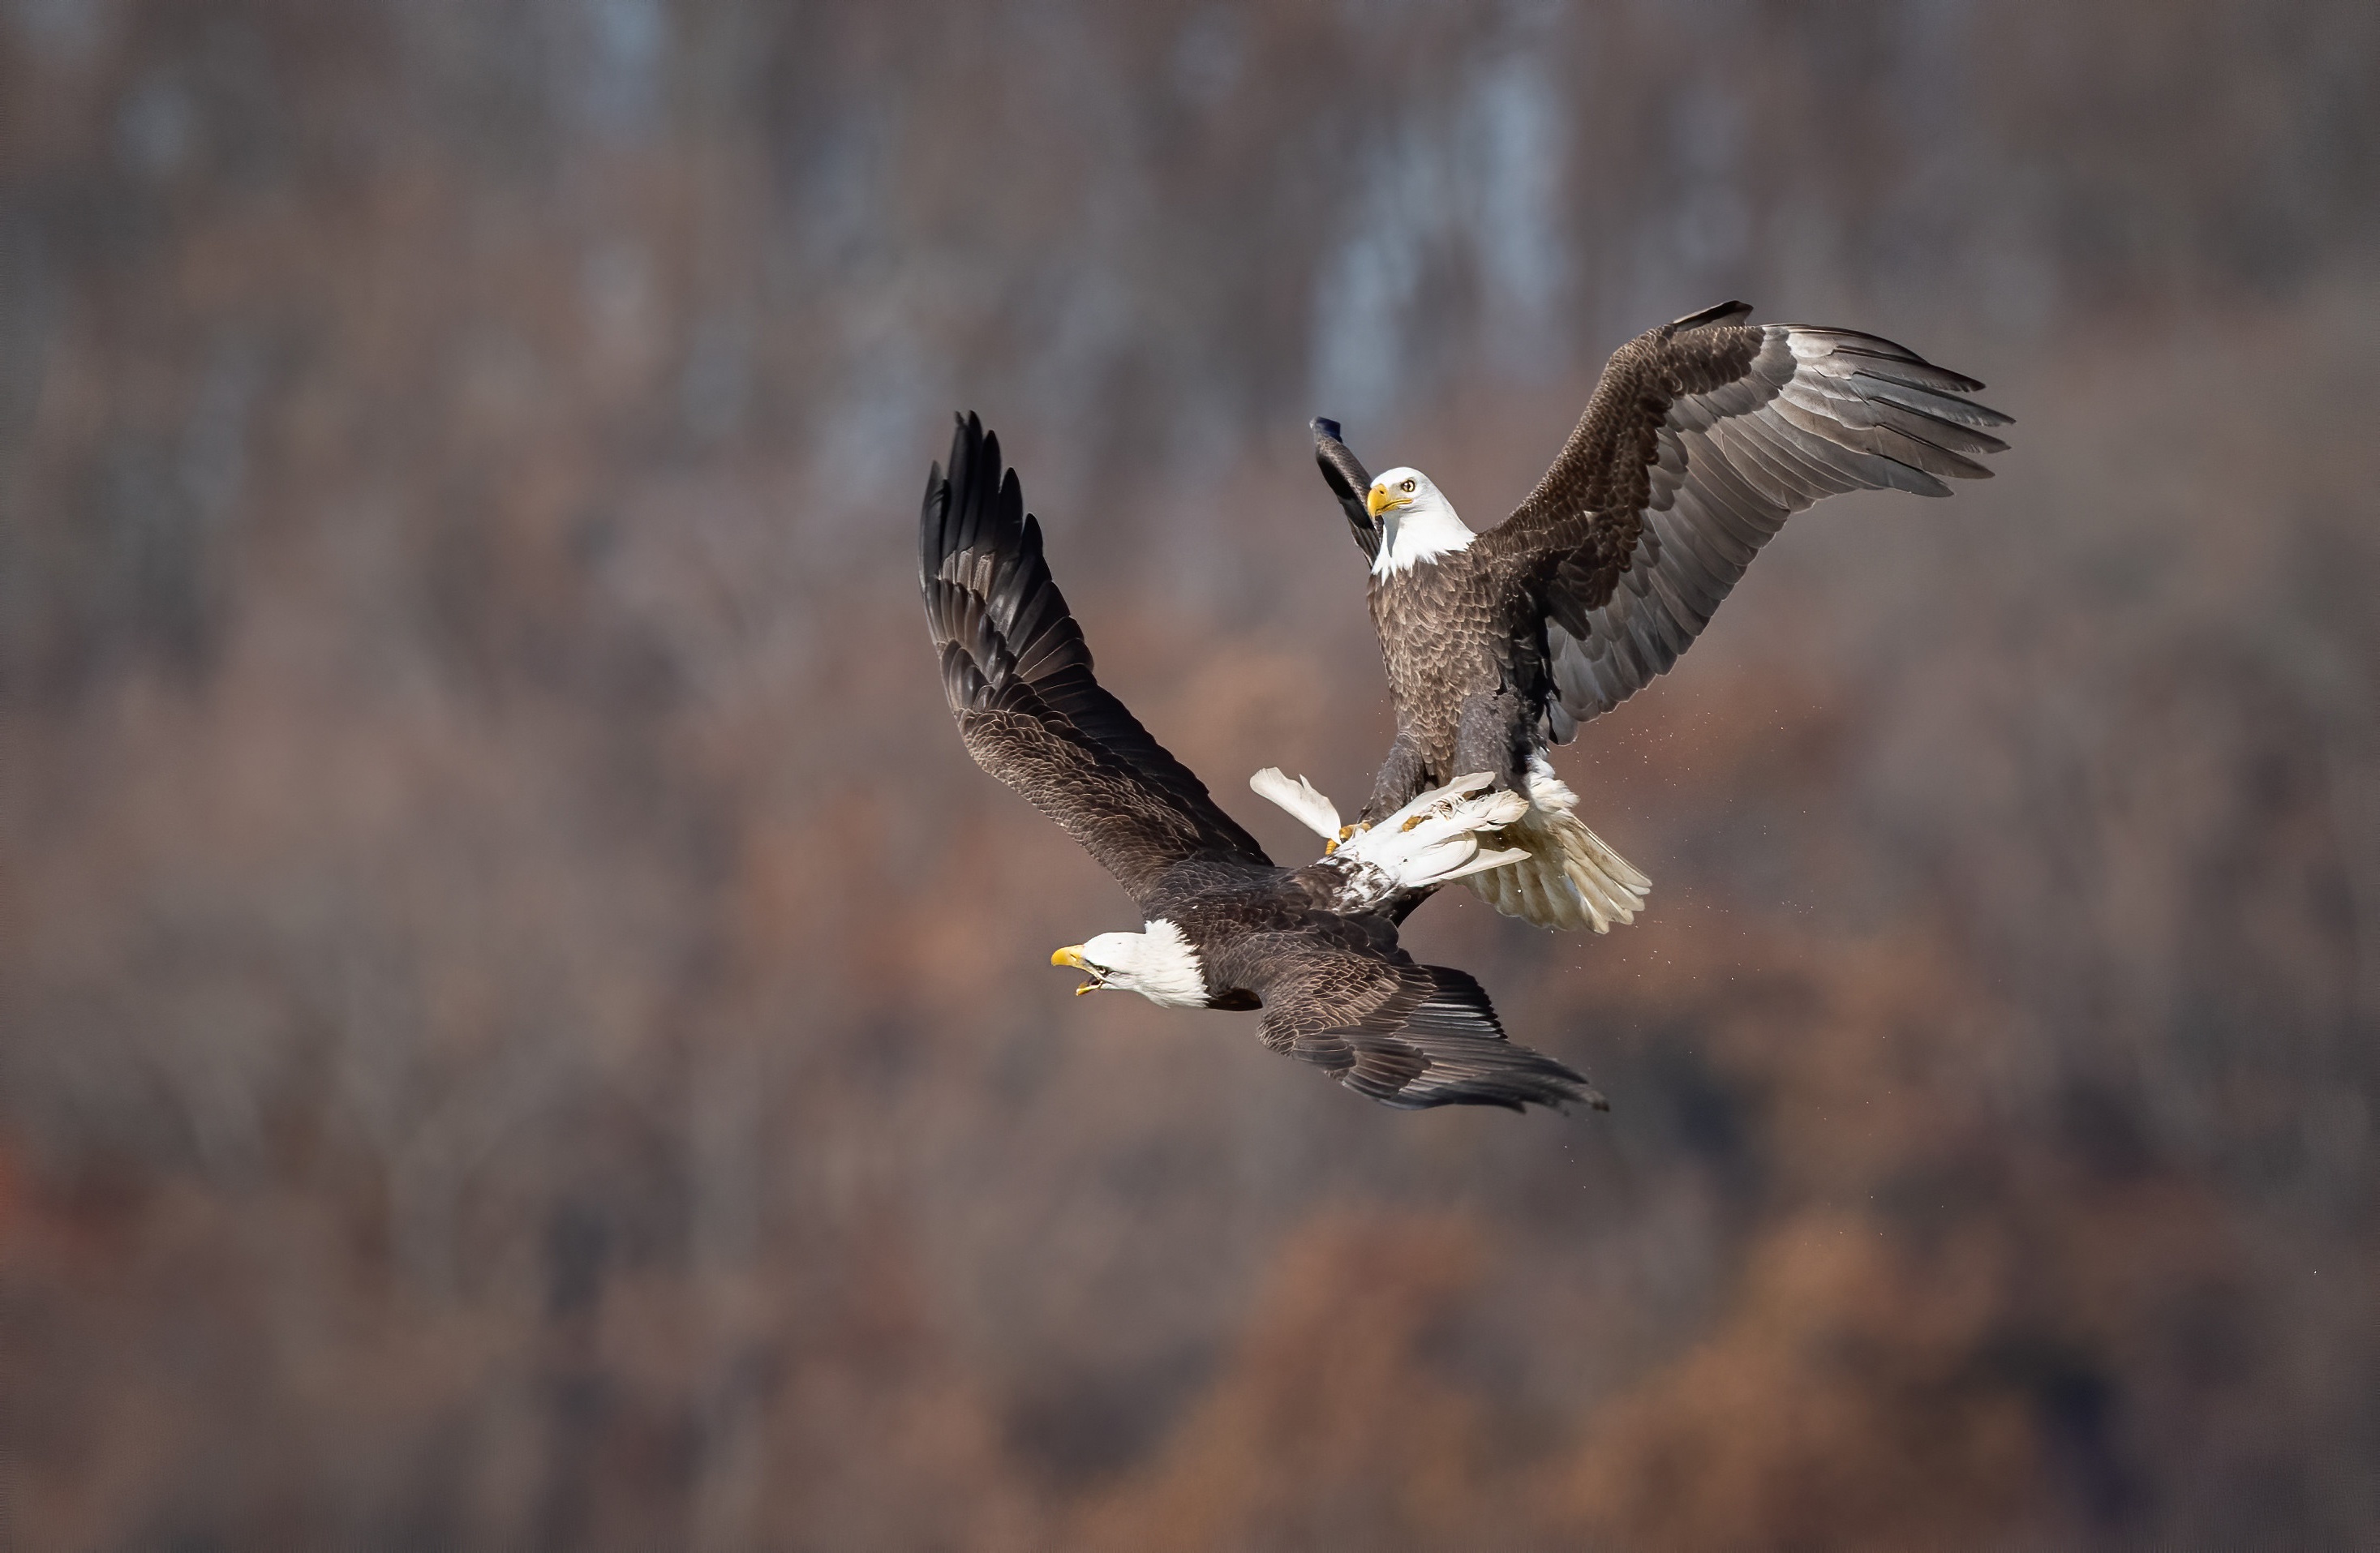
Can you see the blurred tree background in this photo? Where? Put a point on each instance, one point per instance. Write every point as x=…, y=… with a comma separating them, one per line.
x=520, y=1027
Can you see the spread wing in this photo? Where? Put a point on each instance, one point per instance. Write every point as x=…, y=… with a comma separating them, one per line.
x=1406, y=1035
x=1019, y=677
x=1348, y=480
x=1702, y=438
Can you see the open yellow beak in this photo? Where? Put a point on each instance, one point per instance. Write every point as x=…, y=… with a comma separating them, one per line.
x=1072, y=956
x=1379, y=499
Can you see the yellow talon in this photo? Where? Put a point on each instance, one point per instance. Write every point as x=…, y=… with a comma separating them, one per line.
x=1344, y=832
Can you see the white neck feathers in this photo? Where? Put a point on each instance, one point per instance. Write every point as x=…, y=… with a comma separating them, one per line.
x=1164, y=967
x=1422, y=531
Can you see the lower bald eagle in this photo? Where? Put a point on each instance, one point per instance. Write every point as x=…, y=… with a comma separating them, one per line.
x=1222, y=925
x=1702, y=437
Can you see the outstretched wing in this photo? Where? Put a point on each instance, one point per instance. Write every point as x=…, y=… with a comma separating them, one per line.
x=1702, y=438
x=1019, y=681
x=1407, y=1035
x=1348, y=480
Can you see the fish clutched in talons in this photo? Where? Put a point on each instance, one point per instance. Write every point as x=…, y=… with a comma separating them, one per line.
x=1442, y=834
x=1436, y=837
x=1534, y=861
x=1072, y=956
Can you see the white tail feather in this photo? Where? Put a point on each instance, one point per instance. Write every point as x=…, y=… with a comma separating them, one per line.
x=1569, y=878
x=1305, y=803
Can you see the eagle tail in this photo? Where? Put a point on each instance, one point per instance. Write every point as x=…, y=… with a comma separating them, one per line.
x=1569, y=877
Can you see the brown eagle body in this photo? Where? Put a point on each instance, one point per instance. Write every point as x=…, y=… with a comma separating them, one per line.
x=1701, y=438
x=1463, y=693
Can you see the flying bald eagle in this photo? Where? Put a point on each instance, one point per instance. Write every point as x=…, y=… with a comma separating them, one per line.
x=1702, y=437
x=1223, y=927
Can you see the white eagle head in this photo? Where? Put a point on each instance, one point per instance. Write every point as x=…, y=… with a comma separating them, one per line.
x=1159, y=965
x=1418, y=523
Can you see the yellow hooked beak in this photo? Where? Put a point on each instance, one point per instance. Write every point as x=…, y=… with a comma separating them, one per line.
x=1379, y=499
x=1072, y=956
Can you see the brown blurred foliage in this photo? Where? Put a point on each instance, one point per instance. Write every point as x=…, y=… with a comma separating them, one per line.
x=519, y=1026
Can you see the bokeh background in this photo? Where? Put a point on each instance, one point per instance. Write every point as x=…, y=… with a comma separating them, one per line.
x=521, y=1026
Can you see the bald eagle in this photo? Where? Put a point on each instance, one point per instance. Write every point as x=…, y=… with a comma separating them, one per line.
x=1702, y=437
x=1223, y=927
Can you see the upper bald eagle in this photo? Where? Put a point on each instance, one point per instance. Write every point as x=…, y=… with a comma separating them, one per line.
x=1223, y=927
x=1701, y=438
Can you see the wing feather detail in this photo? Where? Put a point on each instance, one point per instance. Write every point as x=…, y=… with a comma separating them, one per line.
x=1702, y=438
x=1348, y=480
x=1406, y=1035
x=1019, y=677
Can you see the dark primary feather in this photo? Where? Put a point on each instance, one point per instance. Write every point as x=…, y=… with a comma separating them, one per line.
x=1701, y=439
x=1019, y=677
x=1348, y=480
x=1726, y=312
x=1406, y=1035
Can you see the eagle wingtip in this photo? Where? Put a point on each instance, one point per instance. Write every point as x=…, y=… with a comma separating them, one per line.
x=1323, y=426
x=1726, y=312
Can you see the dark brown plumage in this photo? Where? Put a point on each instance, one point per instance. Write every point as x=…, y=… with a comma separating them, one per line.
x=1701, y=438
x=1317, y=946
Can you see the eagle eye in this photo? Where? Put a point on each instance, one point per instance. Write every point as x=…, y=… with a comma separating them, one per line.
x=1407, y=486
